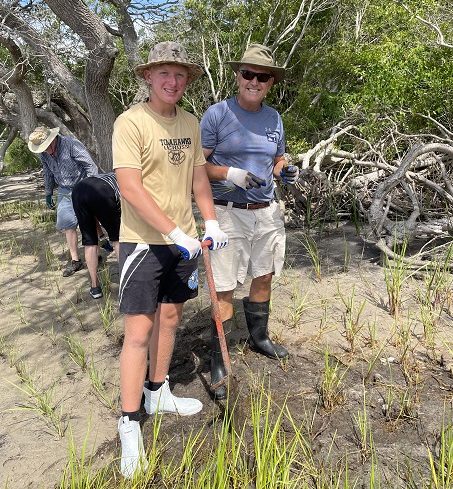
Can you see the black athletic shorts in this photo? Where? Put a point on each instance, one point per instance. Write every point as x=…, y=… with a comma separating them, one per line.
x=93, y=199
x=153, y=274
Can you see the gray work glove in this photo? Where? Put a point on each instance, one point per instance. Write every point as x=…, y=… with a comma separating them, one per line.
x=50, y=202
x=289, y=174
x=244, y=179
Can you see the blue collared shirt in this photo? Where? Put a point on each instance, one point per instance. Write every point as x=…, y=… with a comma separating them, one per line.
x=70, y=164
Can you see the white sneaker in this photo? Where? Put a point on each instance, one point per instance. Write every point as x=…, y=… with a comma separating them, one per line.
x=163, y=401
x=132, y=452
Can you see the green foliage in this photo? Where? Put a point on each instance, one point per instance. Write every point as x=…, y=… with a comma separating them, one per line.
x=389, y=68
x=19, y=159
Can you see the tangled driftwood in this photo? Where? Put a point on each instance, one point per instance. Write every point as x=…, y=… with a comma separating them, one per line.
x=401, y=200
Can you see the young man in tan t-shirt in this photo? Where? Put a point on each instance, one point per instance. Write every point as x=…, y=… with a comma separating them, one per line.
x=159, y=163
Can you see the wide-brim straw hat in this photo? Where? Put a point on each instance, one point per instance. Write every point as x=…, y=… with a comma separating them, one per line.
x=169, y=52
x=259, y=56
x=40, y=139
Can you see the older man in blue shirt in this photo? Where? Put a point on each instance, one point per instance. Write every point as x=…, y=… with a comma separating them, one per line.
x=65, y=162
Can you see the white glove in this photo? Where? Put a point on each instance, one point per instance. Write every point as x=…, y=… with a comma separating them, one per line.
x=289, y=174
x=213, y=232
x=244, y=179
x=189, y=247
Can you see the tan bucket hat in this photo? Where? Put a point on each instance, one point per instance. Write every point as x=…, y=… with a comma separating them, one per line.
x=170, y=52
x=40, y=139
x=259, y=55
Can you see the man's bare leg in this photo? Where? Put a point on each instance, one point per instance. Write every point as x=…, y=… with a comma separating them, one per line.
x=72, y=240
x=116, y=248
x=162, y=340
x=137, y=334
x=260, y=288
x=158, y=397
x=225, y=304
x=91, y=258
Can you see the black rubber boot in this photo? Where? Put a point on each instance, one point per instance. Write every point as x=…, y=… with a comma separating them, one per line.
x=257, y=317
x=218, y=371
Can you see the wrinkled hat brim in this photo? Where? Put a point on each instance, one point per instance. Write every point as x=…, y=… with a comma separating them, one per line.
x=279, y=73
x=40, y=148
x=195, y=71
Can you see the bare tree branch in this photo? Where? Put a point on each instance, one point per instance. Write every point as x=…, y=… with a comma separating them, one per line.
x=440, y=37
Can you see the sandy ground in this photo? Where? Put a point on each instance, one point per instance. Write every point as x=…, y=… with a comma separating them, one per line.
x=42, y=312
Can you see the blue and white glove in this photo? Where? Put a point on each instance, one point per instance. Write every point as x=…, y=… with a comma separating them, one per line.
x=213, y=232
x=189, y=247
x=289, y=174
x=244, y=179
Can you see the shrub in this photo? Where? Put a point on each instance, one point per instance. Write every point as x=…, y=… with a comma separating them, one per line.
x=19, y=159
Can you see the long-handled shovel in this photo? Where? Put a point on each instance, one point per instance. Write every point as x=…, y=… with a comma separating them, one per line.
x=228, y=380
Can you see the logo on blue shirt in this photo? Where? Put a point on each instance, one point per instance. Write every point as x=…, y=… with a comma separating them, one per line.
x=272, y=136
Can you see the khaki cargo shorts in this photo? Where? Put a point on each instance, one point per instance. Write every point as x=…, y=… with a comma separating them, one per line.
x=256, y=245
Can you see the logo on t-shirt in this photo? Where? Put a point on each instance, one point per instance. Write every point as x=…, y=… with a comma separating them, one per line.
x=175, y=149
x=272, y=136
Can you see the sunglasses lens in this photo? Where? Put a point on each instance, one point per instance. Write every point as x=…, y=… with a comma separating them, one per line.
x=250, y=75
x=263, y=77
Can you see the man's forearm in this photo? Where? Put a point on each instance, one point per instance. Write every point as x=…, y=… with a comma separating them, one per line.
x=216, y=172
x=278, y=167
x=202, y=193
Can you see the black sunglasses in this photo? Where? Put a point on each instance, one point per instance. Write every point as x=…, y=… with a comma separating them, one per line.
x=250, y=75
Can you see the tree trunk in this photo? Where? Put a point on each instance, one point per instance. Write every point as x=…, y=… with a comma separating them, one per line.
x=100, y=60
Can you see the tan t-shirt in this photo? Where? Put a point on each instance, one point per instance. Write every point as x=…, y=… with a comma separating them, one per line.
x=165, y=150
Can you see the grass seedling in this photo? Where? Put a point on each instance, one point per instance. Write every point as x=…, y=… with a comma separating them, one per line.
x=77, y=351
x=403, y=330
x=312, y=250
x=183, y=472
x=79, y=471
x=51, y=258
x=274, y=453
x=441, y=464
x=429, y=317
x=42, y=218
x=106, y=279
x=431, y=303
x=13, y=246
x=331, y=386
x=395, y=274
x=299, y=304
x=323, y=326
x=20, y=310
x=438, y=282
x=356, y=213
x=363, y=430
x=51, y=334
x=98, y=386
x=77, y=314
x=107, y=313
x=42, y=402
x=347, y=256
x=372, y=363
x=351, y=318
x=371, y=341
x=23, y=373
